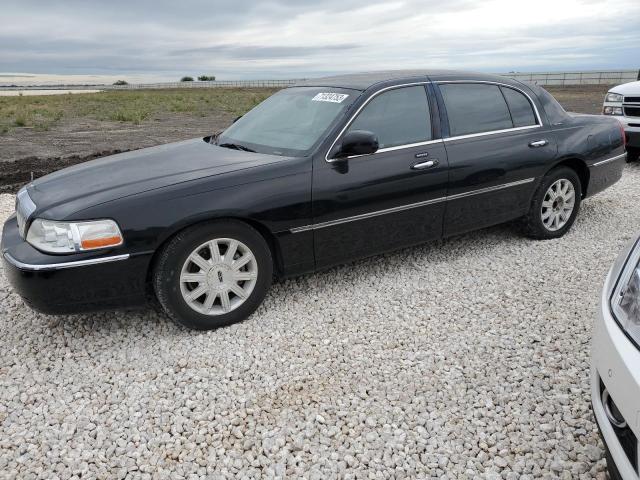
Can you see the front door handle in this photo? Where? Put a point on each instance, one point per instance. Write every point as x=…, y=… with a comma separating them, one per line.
x=424, y=165
x=539, y=143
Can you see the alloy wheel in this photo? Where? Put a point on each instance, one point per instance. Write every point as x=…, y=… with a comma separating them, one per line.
x=218, y=276
x=558, y=205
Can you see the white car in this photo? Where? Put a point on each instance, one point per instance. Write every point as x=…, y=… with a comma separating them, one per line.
x=615, y=372
x=623, y=102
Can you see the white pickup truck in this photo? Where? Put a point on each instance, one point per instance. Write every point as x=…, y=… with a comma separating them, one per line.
x=623, y=102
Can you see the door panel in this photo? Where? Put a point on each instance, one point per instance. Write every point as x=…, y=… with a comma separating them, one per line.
x=492, y=177
x=375, y=189
x=497, y=149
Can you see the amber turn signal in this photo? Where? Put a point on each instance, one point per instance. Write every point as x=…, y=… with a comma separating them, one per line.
x=101, y=242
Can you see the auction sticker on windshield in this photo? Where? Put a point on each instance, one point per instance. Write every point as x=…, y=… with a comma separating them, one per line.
x=330, y=97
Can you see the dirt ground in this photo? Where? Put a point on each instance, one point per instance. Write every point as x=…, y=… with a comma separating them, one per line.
x=27, y=150
x=581, y=98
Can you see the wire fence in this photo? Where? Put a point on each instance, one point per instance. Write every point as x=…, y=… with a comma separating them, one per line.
x=209, y=84
x=609, y=77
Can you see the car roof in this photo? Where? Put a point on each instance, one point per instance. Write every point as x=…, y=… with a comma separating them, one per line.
x=365, y=80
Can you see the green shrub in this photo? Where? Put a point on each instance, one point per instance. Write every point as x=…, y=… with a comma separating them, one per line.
x=186, y=79
x=207, y=78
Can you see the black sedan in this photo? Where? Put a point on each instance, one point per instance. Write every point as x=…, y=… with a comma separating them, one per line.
x=318, y=174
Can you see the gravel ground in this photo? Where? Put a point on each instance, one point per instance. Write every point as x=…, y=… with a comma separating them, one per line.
x=462, y=359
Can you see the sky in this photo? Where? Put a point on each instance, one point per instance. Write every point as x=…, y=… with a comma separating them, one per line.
x=244, y=39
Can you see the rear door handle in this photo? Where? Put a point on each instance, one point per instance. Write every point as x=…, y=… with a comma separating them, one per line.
x=539, y=143
x=424, y=165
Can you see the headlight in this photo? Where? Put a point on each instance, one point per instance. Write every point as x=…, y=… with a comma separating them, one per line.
x=612, y=110
x=69, y=237
x=625, y=302
x=613, y=97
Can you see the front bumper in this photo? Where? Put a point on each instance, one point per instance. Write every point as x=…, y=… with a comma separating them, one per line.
x=631, y=127
x=633, y=138
x=62, y=284
x=616, y=363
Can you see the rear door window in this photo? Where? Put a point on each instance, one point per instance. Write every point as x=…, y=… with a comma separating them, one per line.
x=475, y=108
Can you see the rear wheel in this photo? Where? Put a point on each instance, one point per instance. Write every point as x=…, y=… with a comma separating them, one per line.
x=555, y=205
x=213, y=274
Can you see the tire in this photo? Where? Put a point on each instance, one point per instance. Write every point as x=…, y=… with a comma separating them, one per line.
x=236, y=290
x=538, y=227
x=633, y=154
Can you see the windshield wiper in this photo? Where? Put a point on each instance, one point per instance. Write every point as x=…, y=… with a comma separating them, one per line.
x=236, y=146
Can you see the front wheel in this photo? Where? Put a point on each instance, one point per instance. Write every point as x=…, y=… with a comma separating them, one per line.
x=555, y=205
x=214, y=274
x=633, y=154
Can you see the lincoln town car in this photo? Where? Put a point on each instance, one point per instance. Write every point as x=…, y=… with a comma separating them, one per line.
x=319, y=174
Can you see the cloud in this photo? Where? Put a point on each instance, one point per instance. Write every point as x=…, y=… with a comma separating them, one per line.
x=255, y=52
x=301, y=38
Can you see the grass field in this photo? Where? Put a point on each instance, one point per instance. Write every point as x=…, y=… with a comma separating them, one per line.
x=134, y=107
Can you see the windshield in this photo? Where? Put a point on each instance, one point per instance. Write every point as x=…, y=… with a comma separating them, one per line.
x=291, y=122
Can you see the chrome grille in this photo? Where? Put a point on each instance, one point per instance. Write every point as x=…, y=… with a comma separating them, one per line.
x=24, y=208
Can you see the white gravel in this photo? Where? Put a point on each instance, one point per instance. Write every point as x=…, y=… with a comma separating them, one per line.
x=462, y=359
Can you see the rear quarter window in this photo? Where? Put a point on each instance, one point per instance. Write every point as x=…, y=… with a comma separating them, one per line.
x=555, y=113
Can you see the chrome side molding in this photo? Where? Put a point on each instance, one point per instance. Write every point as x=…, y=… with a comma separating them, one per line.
x=331, y=223
x=608, y=160
x=363, y=216
x=490, y=189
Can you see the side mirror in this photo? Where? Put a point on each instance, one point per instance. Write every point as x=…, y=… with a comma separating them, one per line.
x=358, y=142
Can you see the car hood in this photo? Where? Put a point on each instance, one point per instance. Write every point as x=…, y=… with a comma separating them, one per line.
x=631, y=88
x=124, y=174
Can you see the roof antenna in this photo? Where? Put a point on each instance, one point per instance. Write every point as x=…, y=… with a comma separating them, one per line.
x=32, y=176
